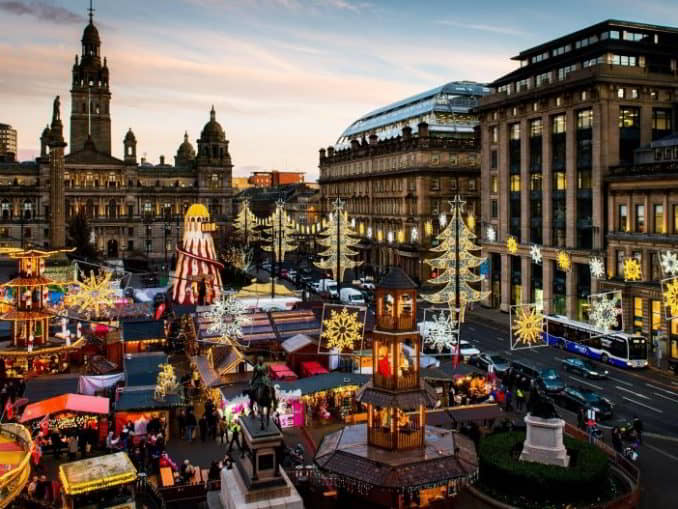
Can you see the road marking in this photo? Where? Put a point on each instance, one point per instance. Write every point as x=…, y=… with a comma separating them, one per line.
x=620, y=381
x=657, y=449
x=671, y=393
x=631, y=392
x=643, y=405
x=666, y=397
x=660, y=437
x=587, y=383
x=500, y=339
x=674, y=383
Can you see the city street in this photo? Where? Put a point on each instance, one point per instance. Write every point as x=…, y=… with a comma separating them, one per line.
x=644, y=393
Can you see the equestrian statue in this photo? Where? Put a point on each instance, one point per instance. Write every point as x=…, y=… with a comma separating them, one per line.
x=262, y=392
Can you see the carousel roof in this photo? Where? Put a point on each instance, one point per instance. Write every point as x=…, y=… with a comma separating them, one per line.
x=28, y=281
x=346, y=453
x=33, y=253
x=197, y=210
x=18, y=316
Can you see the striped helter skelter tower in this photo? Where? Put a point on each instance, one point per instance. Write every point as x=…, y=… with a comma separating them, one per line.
x=197, y=259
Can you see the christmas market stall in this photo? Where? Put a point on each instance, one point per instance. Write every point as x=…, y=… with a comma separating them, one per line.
x=103, y=482
x=290, y=406
x=143, y=336
x=329, y=397
x=302, y=348
x=70, y=413
x=288, y=324
x=221, y=364
x=312, y=368
x=26, y=305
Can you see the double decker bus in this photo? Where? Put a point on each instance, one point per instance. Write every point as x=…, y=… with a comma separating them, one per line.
x=612, y=347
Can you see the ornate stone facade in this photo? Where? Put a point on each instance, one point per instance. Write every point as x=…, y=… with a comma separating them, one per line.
x=132, y=207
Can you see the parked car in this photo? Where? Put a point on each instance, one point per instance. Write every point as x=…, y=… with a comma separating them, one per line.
x=351, y=296
x=499, y=363
x=550, y=382
x=367, y=283
x=576, y=398
x=584, y=368
x=467, y=351
x=526, y=370
x=328, y=287
x=292, y=275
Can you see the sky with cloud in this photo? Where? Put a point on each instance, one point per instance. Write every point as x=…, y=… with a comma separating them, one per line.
x=285, y=76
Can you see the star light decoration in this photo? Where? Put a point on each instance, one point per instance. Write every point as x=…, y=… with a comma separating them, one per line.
x=512, y=245
x=442, y=333
x=228, y=316
x=632, y=270
x=342, y=329
x=669, y=263
x=596, y=267
x=605, y=310
x=670, y=296
x=564, y=261
x=94, y=294
x=535, y=253
x=527, y=325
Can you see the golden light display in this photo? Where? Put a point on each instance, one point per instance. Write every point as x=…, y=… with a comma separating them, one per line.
x=166, y=382
x=512, y=245
x=564, y=261
x=341, y=329
x=632, y=270
x=528, y=325
x=670, y=295
x=95, y=292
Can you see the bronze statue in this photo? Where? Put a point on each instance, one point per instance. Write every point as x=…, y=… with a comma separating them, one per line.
x=540, y=405
x=56, y=110
x=262, y=392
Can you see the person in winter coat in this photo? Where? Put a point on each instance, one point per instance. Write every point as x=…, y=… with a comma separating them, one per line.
x=202, y=424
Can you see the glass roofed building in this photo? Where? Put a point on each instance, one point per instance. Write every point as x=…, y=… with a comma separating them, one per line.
x=446, y=109
x=398, y=166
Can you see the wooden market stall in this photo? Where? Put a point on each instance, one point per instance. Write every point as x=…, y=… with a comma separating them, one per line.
x=143, y=335
x=102, y=482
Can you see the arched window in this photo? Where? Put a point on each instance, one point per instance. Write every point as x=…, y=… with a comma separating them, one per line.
x=112, y=208
x=6, y=211
x=129, y=150
x=28, y=209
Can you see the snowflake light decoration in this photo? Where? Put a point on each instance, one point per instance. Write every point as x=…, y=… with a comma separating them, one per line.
x=527, y=325
x=632, y=270
x=605, y=311
x=341, y=329
x=94, y=293
x=669, y=262
x=491, y=234
x=564, y=261
x=596, y=267
x=535, y=253
x=228, y=316
x=670, y=294
x=442, y=333
x=512, y=245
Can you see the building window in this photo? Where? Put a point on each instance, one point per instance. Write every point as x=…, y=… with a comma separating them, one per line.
x=148, y=208
x=658, y=213
x=494, y=184
x=495, y=134
x=675, y=219
x=559, y=181
x=640, y=218
x=130, y=245
x=471, y=184
x=620, y=93
x=536, y=130
x=543, y=79
x=629, y=133
x=585, y=119
x=130, y=210
x=655, y=267
x=494, y=209
x=634, y=93
x=656, y=318
x=620, y=263
x=514, y=148
x=564, y=71
x=515, y=183
x=661, y=123
x=435, y=183
x=535, y=182
x=638, y=314
x=623, y=224
x=493, y=159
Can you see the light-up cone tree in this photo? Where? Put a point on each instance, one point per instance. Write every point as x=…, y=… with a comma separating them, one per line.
x=245, y=222
x=455, y=264
x=339, y=238
x=280, y=239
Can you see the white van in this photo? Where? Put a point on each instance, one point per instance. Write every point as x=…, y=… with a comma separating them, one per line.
x=351, y=296
x=328, y=287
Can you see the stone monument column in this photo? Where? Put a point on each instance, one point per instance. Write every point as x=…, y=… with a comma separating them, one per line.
x=57, y=215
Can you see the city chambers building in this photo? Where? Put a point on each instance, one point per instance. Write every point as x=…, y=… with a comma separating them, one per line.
x=397, y=167
x=550, y=132
x=132, y=207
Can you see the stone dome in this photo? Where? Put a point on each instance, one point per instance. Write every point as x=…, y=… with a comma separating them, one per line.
x=186, y=150
x=212, y=130
x=45, y=133
x=90, y=37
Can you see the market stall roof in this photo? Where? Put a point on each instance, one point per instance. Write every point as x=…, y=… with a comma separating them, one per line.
x=143, y=368
x=93, y=474
x=45, y=387
x=424, y=395
x=281, y=371
x=66, y=403
x=264, y=289
x=295, y=343
x=208, y=376
x=324, y=382
x=290, y=323
x=145, y=330
x=397, y=279
x=143, y=398
x=312, y=368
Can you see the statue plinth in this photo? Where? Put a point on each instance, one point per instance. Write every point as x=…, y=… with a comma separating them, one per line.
x=257, y=476
x=544, y=442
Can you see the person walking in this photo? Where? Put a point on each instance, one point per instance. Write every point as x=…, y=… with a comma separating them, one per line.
x=202, y=424
x=190, y=425
x=235, y=438
x=223, y=429
x=212, y=423
x=508, y=398
x=520, y=398
x=182, y=423
x=617, y=442
x=72, y=447
x=581, y=418
x=638, y=428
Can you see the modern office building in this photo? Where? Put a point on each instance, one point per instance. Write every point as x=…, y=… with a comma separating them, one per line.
x=550, y=131
x=8, y=143
x=397, y=167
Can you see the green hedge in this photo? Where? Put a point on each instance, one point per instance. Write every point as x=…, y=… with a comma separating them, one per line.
x=501, y=470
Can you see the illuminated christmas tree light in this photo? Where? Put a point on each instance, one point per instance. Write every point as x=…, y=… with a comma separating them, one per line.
x=339, y=240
